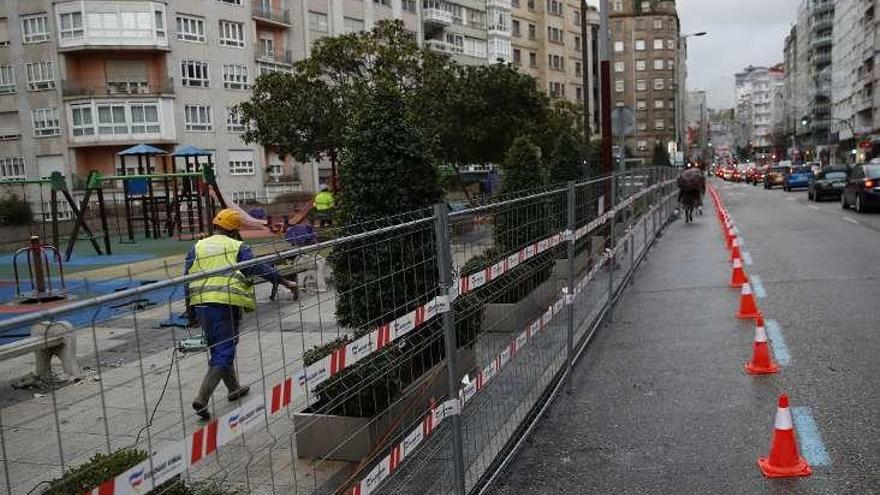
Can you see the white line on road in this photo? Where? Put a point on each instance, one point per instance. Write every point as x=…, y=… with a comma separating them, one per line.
x=813, y=207
x=850, y=220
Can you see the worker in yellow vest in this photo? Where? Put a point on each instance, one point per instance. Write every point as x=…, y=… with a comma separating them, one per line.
x=324, y=204
x=218, y=300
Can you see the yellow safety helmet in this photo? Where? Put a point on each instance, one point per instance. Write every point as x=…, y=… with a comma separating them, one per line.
x=228, y=219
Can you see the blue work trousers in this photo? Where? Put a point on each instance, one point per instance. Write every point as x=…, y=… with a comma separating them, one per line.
x=220, y=324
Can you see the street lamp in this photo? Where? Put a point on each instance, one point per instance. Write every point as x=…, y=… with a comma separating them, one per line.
x=681, y=87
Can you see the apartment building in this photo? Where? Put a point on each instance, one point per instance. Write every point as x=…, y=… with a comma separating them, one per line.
x=853, y=79
x=760, y=107
x=548, y=44
x=646, y=68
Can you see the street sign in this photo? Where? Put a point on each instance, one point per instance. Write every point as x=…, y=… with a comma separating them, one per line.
x=623, y=121
x=678, y=159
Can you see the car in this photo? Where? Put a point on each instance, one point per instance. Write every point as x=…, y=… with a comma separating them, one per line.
x=828, y=183
x=760, y=173
x=775, y=176
x=750, y=175
x=862, y=190
x=797, y=178
x=727, y=174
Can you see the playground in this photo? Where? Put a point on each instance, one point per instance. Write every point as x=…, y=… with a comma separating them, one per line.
x=125, y=230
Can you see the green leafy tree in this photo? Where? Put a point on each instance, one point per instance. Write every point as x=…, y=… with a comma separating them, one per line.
x=661, y=156
x=566, y=161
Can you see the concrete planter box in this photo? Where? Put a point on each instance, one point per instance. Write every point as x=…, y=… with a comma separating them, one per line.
x=515, y=317
x=350, y=438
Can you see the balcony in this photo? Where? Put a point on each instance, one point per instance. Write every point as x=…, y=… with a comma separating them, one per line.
x=122, y=89
x=821, y=58
x=271, y=16
x=863, y=102
x=824, y=8
x=437, y=17
x=823, y=22
x=868, y=53
x=821, y=41
x=499, y=4
x=114, y=25
x=100, y=122
x=444, y=47
x=499, y=30
x=281, y=58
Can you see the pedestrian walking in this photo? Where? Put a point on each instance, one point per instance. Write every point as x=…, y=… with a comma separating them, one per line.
x=218, y=300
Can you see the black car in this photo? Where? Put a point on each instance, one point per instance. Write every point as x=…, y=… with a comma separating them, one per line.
x=862, y=190
x=828, y=183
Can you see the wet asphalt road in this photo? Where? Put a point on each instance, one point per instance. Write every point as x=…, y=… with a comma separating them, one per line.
x=661, y=403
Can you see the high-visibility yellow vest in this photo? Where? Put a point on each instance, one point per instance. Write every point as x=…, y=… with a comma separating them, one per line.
x=233, y=288
x=324, y=201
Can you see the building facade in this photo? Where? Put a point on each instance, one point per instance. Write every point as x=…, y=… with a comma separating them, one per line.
x=646, y=71
x=696, y=137
x=760, y=108
x=853, y=79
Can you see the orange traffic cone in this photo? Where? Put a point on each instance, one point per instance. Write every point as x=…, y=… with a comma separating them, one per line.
x=734, y=250
x=739, y=275
x=747, y=307
x=761, y=363
x=784, y=460
x=728, y=238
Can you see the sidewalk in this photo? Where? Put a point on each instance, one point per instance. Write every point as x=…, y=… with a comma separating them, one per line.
x=661, y=403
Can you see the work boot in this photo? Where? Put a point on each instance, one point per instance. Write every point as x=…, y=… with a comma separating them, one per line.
x=235, y=390
x=209, y=383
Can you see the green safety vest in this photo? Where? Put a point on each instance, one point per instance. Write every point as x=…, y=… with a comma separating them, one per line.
x=324, y=201
x=232, y=288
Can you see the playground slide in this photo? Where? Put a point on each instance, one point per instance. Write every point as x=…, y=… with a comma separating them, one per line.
x=249, y=221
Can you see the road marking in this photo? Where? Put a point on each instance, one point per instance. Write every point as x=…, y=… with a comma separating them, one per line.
x=791, y=199
x=812, y=447
x=813, y=207
x=747, y=258
x=850, y=220
x=760, y=293
x=780, y=350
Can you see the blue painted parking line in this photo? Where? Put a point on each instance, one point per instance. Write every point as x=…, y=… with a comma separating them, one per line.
x=812, y=447
x=758, y=286
x=747, y=258
x=777, y=342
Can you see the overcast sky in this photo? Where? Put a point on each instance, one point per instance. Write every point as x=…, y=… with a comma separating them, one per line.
x=741, y=32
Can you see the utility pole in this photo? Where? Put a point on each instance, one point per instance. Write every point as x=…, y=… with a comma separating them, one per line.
x=605, y=83
x=586, y=35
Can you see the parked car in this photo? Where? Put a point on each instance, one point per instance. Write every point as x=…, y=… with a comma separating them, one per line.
x=775, y=176
x=828, y=183
x=796, y=178
x=862, y=190
x=750, y=175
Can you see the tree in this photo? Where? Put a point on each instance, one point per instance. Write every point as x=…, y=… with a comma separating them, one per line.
x=661, y=156
x=566, y=161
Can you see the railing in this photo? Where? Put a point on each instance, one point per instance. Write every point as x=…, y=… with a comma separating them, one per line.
x=437, y=16
x=118, y=88
x=444, y=46
x=280, y=16
x=419, y=350
x=285, y=57
x=500, y=4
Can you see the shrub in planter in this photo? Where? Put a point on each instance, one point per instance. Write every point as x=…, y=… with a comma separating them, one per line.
x=16, y=210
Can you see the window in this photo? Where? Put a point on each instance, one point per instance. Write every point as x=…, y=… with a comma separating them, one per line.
x=619, y=66
x=46, y=122
x=194, y=73
x=9, y=126
x=578, y=68
x=658, y=23
x=235, y=76
x=531, y=4
x=35, y=28
x=618, y=85
x=640, y=65
x=641, y=105
x=555, y=62
x=557, y=89
x=577, y=44
x=617, y=5
x=640, y=24
x=191, y=28
x=670, y=64
x=81, y=120
x=12, y=168
x=318, y=22
x=533, y=59
x=554, y=7
x=231, y=2
x=4, y=32
x=658, y=83
x=641, y=85
x=7, y=79
x=642, y=125
x=642, y=145
x=384, y=3
x=670, y=44
x=409, y=6
x=517, y=56
x=640, y=45
x=579, y=93
x=40, y=76
x=474, y=47
x=618, y=46
x=267, y=47
x=70, y=25
x=577, y=17
x=160, y=23
x=659, y=124
x=352, y=25
x=244, y=197
x=658, y=104
x=658, y=44
x=619, y=104
x=646, y=6
x=554, y=34
x=198, y=118
x=111, y=119
x=232, y=34
x=533, y=32
x=515, y=28
x=234, y=122
x=658, y=64
x=145, y=118
x=241, y=162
